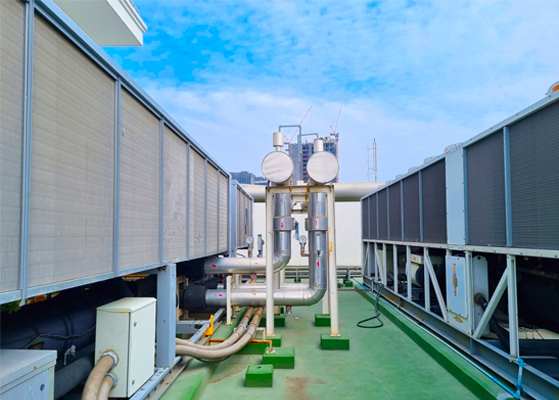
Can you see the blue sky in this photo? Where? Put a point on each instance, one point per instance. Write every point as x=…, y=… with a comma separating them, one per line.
x=418, y=76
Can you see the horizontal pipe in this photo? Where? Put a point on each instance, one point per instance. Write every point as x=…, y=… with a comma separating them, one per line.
x=282, y=297
x=343, y=191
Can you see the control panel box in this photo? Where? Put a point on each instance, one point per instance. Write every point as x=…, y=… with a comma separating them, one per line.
x=27, y=374
x=127, y=327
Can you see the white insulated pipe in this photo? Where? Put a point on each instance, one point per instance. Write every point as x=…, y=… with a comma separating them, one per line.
x=343, y=191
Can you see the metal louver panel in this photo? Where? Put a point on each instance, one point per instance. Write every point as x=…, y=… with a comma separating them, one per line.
x=534, y=148
x=139, y=184
x=411, y=208
x=373, y=217
x=223, y=210
x=72, y=162
x=395, y=212
x=434, y=203
x=197, y=189
x=486, y=192
x=212, y=217
x=11, y=139
x=382, y=215
x=174, y=231
x=365, y=218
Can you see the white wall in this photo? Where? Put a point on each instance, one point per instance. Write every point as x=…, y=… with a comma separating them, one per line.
x=348, y=234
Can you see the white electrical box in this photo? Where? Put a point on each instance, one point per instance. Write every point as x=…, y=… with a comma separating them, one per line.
x=27, y=374
x=127, y=327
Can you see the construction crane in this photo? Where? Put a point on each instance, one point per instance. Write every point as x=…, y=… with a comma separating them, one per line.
x=335, y=130
x=300, y=123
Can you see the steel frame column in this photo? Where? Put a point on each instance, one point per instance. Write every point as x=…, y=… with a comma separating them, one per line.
x=426, y=283
x=513, y=308
x=395, y=266
x=269, y=264
x=332, y=266
x=161, y=187
x=116, y=195
x=408, y=272
x=166, y=315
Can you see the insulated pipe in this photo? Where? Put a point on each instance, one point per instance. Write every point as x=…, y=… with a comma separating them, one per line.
x=282, y=225
x=208, y=354
x=236, y=335
x=269, y=266
x=317, y=225
x=93, y=383
x=109, y=381
x=343, y=191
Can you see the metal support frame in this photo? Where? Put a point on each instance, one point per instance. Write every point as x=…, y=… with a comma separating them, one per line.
x=166, y=315
x=116, y=195
x=408, y=272
x=492, y=304
x=228, y=308
x=513, y=308
x=431, y=272
x=332, y=265
x=161, y=187
x=269, y=264
x=395, y=266
x=206, y=207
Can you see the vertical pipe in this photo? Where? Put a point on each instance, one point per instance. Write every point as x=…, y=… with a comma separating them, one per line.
x=508, y=201
x=426, y=285
x=237, y=280
x=408, y=271
x=161, y=188
x=26, y=159
x=269, y=263
x=395, y=266
x=116, y=194
x=188, y=183
x=513, y=307
x=166, y=315
x=332, y=271
x=229, y=310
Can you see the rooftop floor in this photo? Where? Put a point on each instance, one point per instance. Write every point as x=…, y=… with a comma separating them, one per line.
x=382, y=363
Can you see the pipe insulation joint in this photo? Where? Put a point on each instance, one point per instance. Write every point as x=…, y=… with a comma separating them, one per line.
x=113, y=377
x=113, y=355
x=284, y=224
x=316, y=224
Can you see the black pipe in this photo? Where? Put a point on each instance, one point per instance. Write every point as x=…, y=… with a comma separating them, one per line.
x=58, y=323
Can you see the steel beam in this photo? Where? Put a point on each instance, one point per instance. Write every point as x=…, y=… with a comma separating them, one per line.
x=166, y=315
x=492, y=304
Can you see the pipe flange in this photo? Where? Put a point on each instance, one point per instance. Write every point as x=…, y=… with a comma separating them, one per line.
x=113, y=377
x=316, y=224
x=284, y=224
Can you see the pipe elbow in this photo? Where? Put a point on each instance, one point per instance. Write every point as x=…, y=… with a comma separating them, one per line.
x=281, y=259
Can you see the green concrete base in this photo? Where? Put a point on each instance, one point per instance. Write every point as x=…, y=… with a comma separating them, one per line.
x=348, y=283
x=282, y=309
x=281, y=358
x=328, y=342
x=339, y=285
x=254, y=348
x=279, y=321
x=321, y=320
x=259, y=376
x=276, y=340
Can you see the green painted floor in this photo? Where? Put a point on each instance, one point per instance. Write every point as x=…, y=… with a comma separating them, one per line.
x=382, y=363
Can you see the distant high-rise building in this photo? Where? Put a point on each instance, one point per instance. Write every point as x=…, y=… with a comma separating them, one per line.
x=243, y=177
x=300, y=172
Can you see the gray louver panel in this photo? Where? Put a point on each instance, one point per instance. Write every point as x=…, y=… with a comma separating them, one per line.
x=139, y=184
x=534, y=149
x=373, y=217
x=411, y=208
x=365, y=218
x=213, y=182
x=11, y=139
x=395, y=212
x=72, y=167
x=434, y=203
x=197, y=204
x=382, y=215
x=223, y=210
x=486, y=192
x=174, y=231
